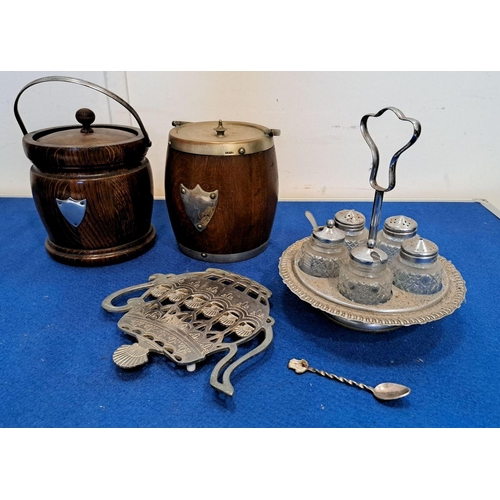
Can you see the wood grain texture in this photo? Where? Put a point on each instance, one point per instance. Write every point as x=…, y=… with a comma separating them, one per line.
x=117, y=222
x=248, y=196
x=65, y=149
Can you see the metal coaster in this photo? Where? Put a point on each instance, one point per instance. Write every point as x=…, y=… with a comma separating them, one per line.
x=188, y=317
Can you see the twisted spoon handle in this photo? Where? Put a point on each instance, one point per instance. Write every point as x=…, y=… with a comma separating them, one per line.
x=341, y=379
x=302, y=366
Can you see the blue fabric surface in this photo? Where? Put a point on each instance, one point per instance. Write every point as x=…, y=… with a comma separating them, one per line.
x=57, y=342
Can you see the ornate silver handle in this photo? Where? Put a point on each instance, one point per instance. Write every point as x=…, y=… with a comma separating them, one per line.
x=379, y=191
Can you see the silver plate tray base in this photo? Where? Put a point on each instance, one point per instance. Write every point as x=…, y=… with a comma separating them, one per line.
x=402, y=309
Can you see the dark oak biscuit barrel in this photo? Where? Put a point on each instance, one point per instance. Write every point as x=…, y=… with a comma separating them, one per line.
x=221, y=188
x=92, y=186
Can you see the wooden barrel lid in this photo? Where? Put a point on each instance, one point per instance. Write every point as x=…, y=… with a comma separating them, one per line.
x=79, y=147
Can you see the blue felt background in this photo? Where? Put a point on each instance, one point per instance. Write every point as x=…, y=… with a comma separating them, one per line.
x=56, y=341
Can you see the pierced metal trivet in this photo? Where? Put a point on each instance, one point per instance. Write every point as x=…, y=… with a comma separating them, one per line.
x=188, y=317
x=402, y=309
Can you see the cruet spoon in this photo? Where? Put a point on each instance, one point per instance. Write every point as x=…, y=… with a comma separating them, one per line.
x=311, y=219
x=385, y=391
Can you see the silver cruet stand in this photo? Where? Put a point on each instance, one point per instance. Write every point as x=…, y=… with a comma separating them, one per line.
x=403, y=308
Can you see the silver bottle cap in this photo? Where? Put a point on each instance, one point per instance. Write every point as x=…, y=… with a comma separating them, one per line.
x=419, y=251
x=329, y=233
x=400, y=225
x=350, y=220
x=369, y=256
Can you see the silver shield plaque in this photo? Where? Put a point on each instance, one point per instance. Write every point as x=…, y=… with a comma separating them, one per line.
x=199, y=205
x=72, y=210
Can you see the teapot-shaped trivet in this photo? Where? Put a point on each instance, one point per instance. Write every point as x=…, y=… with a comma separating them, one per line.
x=190, y=316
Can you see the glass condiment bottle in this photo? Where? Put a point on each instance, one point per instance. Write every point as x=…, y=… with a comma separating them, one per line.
x=396, y=230
x=324, y=253
x=416, y=268
x=353, y=225
x=366, y=279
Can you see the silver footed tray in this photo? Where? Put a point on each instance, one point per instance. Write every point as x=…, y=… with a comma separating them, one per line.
x=402, y=309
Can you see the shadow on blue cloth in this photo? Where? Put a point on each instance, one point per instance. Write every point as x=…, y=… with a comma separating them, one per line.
x=398, y=347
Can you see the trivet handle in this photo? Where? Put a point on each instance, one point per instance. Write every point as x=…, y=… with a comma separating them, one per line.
x=85, y=83
x=107, y=303
x=379, y=191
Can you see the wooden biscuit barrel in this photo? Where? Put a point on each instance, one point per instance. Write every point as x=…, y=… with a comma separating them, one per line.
x=221, y=188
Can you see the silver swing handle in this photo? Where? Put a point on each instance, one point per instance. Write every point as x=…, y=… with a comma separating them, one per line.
x=85, y=83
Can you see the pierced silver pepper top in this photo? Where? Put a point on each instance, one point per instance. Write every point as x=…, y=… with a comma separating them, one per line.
x=350, y=220
x=419, y=251
x=400, y=225
x=329, y=233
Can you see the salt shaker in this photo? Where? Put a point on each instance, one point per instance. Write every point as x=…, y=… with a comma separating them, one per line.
x=416, y=268
x=324, y=253
x=353, y=225
x=366, y=279
x=396, y=230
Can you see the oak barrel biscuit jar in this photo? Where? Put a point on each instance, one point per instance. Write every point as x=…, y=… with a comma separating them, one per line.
x=92, y=186
x=221, y=188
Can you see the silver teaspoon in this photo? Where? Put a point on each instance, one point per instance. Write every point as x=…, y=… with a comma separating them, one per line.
x=386, y=391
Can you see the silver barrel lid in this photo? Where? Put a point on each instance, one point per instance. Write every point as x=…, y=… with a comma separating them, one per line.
x=329, y=233
x=350, y=220
x=222, y=138
x=419, y=251
x=400, y=225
